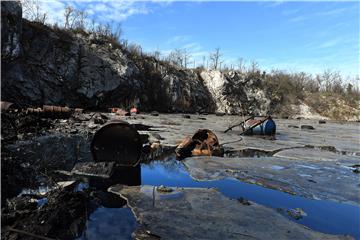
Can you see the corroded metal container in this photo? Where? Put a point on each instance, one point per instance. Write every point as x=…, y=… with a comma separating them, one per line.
x=5, y=105
x=117, y=141
x=203, y=143
x=260, y=127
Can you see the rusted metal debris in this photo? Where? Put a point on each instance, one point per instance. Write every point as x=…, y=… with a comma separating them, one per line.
x=134, y=110
x=250, y=126
x=5, y=105
x=78, y=110
x=117, y=141
x=119, y=111
x=265, y=126
x=203, y=142
x=55, y=109
x=34, y=110
x=50, y=111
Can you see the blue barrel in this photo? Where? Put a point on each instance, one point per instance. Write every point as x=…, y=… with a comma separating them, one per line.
x=268, y=127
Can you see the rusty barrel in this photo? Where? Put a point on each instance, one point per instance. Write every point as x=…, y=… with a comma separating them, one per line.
x=203, y=143
x=56, y=111
x=267, y=127
x=117, y=141
x=5, y=105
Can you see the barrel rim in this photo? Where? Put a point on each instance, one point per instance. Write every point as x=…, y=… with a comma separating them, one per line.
x=106, y=126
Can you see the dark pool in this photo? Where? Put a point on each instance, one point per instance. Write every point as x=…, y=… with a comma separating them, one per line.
x=110, y=224
x=324, y=216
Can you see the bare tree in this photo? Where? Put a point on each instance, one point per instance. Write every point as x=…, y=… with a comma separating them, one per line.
x=93, y=26
x=254, y=67
x=134, y=49
x=33, y=12
x=117, y=32
x=76, y=18
x=157, y=54
x=176, y=57
x=215, y=58
x=81, y=17
x=241, y=65
x=186, y=57
x=104, y=30
x=67, y=15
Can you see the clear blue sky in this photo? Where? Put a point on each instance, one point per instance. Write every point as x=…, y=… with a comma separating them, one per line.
x=294, y=36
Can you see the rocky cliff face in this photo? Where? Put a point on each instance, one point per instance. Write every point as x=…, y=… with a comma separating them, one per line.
x=235, y=93
x=42, y=65
x=11, y=15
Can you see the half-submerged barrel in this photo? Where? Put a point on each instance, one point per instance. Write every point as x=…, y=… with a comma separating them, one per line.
x=260, y=127
x=119, y=142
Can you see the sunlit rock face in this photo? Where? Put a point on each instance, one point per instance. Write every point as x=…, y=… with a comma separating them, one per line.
x=43, y=65
x=234, y=93
x=11, y=15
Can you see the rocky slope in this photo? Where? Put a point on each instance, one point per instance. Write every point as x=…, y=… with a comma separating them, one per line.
x=43, y=65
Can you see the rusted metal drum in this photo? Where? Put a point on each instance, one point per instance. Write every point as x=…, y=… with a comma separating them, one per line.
x=267, y=127
x=117, y=141
x=203, y=143
x=5, y=105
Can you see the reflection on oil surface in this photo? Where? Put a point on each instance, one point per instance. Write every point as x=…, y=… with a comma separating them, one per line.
x=324, y=216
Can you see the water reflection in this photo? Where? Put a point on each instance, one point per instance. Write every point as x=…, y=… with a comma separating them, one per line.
x=130, y=176
x=323, y=216
x=110, y=224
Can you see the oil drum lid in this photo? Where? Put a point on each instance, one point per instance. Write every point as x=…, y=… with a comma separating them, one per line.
x=270, y=127
x=117, y=141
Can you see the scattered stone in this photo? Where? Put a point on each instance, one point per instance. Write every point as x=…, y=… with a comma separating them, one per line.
x=186, y=116
x=78, y=110
x=94, y=169
x=243, y=201
x=293, y=126
x=308, y=127
x=67, y=185
x=169, y=122
x=21, y=203
x=154, y=113
x=201, y=118
x=100, y=118
x=296, y=213
x=103, y=116
x=162, y=188
x=322, y=121
x=82, y=117
x=61, y=215
x=157, y=136
x=356, y=168
x=99, y=121
x=144, y=234
x=220, y=114
x=92, y=125
x=20, y=136
x=73, y=131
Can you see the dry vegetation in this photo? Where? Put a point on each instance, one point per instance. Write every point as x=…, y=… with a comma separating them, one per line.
x=329, y=94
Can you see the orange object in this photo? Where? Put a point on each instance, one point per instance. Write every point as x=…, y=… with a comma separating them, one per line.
x=203, y=143
x=122, y=112
x=134, y=110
